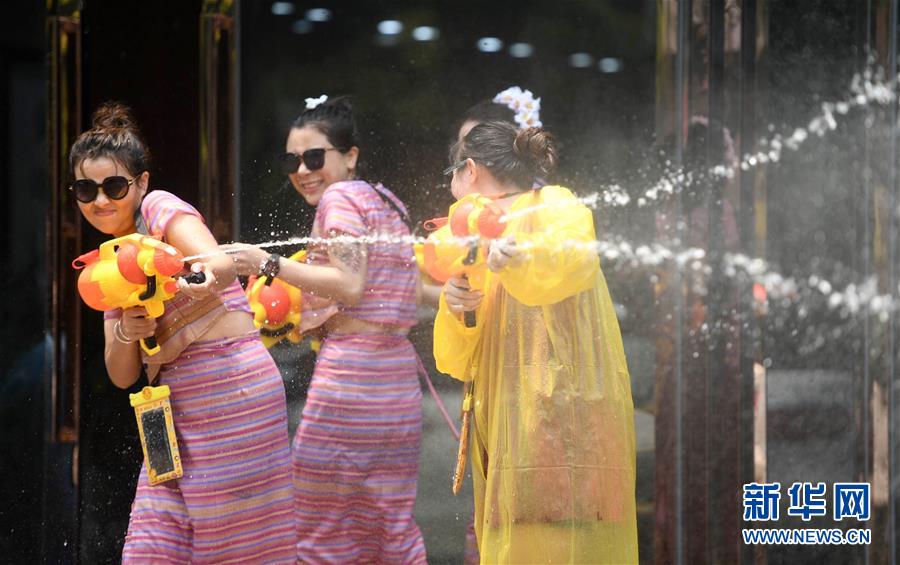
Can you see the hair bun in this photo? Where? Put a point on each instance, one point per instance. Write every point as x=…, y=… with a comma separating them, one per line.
x=537, y=148
x=113, y=116
x=335, y=118
x=339, y=106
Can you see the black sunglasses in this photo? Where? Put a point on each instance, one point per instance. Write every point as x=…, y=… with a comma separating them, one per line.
x=115, y=188
x=314, y=159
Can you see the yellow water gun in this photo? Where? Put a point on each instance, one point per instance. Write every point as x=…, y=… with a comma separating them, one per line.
x=133, y=270
x=458, y=247
x=276, y=307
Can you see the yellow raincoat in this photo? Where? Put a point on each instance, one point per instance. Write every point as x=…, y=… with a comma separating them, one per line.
x=552, y=448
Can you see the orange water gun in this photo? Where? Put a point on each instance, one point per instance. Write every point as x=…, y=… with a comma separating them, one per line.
x=133, y=270
x=458, y=248
x=276, y=307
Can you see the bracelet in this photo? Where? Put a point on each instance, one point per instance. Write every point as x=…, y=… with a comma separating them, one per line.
x=120, y=335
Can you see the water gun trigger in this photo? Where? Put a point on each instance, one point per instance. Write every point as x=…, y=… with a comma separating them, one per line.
x=195, y=278
x=472, y=256
x=150, y=290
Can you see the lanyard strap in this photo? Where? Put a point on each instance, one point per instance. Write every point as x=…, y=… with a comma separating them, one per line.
x=404, y=217
x=437, y=398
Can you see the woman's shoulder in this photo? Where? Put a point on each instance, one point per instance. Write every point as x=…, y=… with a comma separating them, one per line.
x=551, y=193
x=158, y=198
x=342, y=195
x=362, y=194
x=557, y=192
x=160, y=206
x=348, y=187
x=556, y=205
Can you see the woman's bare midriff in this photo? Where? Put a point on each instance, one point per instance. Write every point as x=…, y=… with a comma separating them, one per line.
x=344, y=324
x=232, y=324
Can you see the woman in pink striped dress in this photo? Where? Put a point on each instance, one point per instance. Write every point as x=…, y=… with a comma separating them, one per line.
x=356, y=453
x=234, y=502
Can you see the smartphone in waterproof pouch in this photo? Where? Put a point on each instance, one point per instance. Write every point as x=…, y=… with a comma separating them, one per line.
x=157, y=430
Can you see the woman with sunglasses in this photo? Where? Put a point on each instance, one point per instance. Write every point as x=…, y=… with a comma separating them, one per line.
x=520, y=109
x=356, y=452
x=234, y=501
x=552, y=436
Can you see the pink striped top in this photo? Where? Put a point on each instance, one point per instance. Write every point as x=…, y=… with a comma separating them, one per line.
x=354, y=208
x=158, y=209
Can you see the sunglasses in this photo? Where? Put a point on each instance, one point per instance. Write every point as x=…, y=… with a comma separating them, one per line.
x=460, y=164
x=115, y=188
x=452, y=168
x=314, y=159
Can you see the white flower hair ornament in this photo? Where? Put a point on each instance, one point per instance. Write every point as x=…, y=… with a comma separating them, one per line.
x=526, y=107
x=311, y=103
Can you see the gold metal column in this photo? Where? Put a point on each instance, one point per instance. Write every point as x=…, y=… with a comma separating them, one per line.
x=64, y=222
x=218, y=95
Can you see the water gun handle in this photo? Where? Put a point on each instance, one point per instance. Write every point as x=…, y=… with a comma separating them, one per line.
x=469, y=318
x=150, y=345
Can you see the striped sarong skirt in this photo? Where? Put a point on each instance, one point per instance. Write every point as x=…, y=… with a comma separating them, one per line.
x=356, y=454
x=234, y=503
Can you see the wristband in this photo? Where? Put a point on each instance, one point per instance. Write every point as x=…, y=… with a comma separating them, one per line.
x=271, y=266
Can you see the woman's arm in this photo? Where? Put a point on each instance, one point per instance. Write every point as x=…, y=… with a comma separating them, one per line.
x=190, y=236
x=344, y=280
x=122, y=348
x=454, y=342
x=544, y=267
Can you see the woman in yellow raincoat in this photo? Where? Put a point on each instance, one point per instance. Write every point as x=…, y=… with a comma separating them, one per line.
x=552, y=439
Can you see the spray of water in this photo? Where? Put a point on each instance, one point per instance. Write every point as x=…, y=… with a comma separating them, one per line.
x=866, y=89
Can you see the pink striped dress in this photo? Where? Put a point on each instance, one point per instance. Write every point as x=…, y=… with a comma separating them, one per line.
x=356, y=453
x=234, y=502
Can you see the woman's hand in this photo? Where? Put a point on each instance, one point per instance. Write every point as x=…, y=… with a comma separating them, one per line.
x=502, y=252
x=313, y=302
x=247, y=258
x=459, y=296
x=135, y=324
x=199, y=290
x=316, y=310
